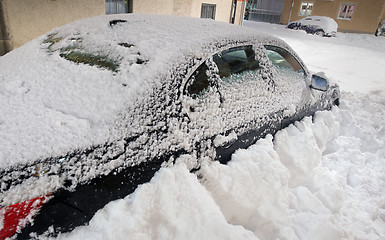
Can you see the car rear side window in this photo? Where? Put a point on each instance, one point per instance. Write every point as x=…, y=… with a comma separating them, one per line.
x=235, y=61
x=283, y=59
x=198, y=83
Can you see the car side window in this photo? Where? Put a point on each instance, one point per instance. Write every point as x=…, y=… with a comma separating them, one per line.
x=282, y=59
x=235, y=61
x=198, y=83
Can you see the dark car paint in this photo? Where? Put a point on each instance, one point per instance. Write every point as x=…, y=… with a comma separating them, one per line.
x=250, y=137
x=69, y=209
x=311, y=29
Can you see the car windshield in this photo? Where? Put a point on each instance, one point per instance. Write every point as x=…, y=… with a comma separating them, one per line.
x=198, y=83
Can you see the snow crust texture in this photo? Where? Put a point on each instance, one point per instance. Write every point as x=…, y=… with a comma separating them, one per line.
x=321, y=178
x=78, y=85
x=93, y=97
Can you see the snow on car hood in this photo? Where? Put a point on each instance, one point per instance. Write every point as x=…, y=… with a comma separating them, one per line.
x=326, y=23
x=68, y=89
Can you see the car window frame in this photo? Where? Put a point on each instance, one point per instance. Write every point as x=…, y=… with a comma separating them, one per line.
x=293, y=56
x=214, y=73
x=252, y=63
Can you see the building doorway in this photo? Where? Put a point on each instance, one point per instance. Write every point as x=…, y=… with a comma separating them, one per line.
x=118, y=6
x=264, y=10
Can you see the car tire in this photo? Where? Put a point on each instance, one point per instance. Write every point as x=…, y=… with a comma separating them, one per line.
x=319, y=33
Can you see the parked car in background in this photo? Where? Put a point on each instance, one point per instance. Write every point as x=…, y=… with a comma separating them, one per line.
x=94, y=108
x=381, y=29
x=317, y=25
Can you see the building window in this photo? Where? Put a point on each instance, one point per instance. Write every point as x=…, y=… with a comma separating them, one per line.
x=346, y=11
x=306, y=8
x=117, y=6
x=208, y=11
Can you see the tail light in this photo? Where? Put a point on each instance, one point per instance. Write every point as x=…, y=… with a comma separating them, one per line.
x=16, y=216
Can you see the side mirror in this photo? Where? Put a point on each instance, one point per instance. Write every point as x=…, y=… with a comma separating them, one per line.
x=319, y=82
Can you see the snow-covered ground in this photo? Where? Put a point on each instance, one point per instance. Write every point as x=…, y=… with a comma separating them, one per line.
x=321, y=178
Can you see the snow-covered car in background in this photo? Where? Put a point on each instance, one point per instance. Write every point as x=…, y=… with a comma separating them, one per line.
x=318, y=25
x=381, y=29
x=93, y=109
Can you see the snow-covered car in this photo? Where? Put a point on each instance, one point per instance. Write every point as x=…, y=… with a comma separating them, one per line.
x=318, y=25
x=381, y=29
x=93, y=109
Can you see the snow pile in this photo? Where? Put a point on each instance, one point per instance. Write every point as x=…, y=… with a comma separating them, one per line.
x=159, y=210
x=357, y=157
x=299, y=185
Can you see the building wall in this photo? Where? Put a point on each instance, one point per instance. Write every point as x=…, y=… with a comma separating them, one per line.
x=190, y=8
x=25, y=20
x=28, y=19
x=366, y=16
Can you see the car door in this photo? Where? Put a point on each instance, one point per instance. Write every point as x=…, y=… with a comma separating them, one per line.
x=290, y=78
x=218, y=94
x=246, y=91
x=237, y=96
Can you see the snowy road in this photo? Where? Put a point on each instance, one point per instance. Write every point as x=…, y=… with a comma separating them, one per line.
x=322, y=178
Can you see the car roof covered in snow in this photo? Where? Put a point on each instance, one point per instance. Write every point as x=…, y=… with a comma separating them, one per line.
x=65, y=89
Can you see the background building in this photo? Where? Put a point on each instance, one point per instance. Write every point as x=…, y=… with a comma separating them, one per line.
x=351, y=15
x=264, y=10
x=24, y=20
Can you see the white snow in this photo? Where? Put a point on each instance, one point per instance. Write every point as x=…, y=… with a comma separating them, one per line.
x=321, y=178
x=74, y=120
x=52, y=106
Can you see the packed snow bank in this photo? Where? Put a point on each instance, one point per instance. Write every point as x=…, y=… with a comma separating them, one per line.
x=174, y=205
x=356, y=157
x=276, y=186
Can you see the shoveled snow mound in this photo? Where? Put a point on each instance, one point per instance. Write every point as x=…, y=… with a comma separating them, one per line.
x=159, y=210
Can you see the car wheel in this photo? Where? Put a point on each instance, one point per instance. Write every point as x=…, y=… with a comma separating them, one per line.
x=319, y=33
